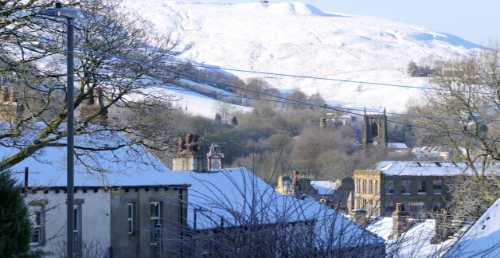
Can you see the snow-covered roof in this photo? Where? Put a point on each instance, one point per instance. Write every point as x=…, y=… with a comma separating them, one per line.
x=324, y=187
x=415, y=242
x=482, y=239
x=428, y=168
x=236, y=194
x=397, y=145
x=431, y=151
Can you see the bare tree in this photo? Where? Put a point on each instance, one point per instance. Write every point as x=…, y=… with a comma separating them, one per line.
x=117, y=63
x=464, y=113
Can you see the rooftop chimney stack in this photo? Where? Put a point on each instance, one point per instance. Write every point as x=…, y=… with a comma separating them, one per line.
x=188, y=156
x=400, y=222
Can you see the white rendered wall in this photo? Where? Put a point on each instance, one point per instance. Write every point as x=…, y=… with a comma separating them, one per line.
x=96, y=220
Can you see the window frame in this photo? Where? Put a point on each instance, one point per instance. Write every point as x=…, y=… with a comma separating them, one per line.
x=131, y=217
x=37, y=227
x=420, y=190
x=434, y=189
x=156, y=223
x=407, y=188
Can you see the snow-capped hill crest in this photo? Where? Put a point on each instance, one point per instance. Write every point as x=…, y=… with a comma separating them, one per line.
x=293, y=8
x=291, y=37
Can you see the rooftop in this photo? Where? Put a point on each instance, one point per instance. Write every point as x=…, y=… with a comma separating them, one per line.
x=324, y=187
x=416, y=242
x=236, y=195
x=482, y=239
x=429, y=168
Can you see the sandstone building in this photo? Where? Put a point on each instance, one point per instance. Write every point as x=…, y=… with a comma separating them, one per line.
x=420, y=186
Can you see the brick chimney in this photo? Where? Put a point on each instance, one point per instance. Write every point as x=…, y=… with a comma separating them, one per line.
x=188, y=156
x=400, y=222
x=442, y=227
x=295, y=181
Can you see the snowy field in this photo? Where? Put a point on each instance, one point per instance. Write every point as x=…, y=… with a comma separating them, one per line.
x=296, y=38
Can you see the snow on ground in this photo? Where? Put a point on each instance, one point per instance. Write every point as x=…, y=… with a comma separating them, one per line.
x=414, y=243
x=296, y=38
x=482, y=239
x=189, y=101
x=201, y=105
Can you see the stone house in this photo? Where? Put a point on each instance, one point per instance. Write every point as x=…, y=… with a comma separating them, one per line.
x=337, y=195
x=420, y=186
x=125, y=205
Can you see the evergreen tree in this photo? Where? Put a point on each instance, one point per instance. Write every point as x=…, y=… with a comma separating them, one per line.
x=14, y=222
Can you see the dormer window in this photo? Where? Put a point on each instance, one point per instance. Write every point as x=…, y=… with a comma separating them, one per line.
x=215, y=158
x=215, y=164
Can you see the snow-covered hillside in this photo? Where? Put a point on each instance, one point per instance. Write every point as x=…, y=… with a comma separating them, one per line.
x=296, y=38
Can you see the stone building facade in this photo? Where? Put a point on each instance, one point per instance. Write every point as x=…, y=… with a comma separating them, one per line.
x=420, y=187
x=148, y=221
x=126, y=222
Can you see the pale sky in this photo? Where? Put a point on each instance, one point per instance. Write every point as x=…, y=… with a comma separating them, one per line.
x=473, y=20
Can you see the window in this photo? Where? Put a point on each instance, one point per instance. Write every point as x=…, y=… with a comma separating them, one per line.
x=364, y=186
x=37, y=226
x=376, y=187
x=370, y=187
x=437, y=186
x=389, y=187
x=215, y=164
x=131, y=217
x=155, y=209
x=405, y=187
x=422, y=187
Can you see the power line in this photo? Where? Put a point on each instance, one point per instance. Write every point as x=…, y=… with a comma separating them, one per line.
x=215, y=67
x=269, y=73
x=276, y=97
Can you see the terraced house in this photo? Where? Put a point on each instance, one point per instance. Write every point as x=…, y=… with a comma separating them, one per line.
x=420, y=186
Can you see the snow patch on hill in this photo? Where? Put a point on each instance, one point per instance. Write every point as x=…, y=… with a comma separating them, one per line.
x=296, y=38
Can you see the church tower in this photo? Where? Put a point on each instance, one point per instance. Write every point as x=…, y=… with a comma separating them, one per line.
x=374, y=130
